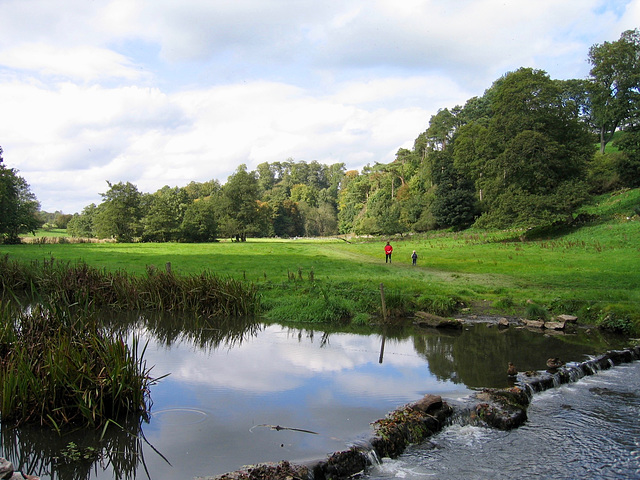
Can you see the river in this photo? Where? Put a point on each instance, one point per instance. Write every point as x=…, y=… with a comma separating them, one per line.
x=229, y=385
x=588, y=429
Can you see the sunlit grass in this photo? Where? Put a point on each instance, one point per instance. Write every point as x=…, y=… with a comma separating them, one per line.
x=499, y=271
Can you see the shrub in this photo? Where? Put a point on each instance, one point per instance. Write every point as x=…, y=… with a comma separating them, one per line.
x=534, y=311
x=59, y=368
x=618, y=318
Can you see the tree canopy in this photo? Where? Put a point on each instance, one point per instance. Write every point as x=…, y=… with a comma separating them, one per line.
x=18, y=206
x=615, y=84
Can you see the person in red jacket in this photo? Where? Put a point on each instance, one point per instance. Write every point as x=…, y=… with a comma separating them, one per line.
x=388, y=249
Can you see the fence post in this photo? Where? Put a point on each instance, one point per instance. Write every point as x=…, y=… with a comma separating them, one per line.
x=384, y=305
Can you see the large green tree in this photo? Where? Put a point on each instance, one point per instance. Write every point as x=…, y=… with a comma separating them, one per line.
x=164, y=212
x=455, y=203
x=239, y=204
x=119, y=214
x=81, y=225
x=536, y=150
x=627, y=164
x=18, y=206
x=614, y=96
x=199, y=223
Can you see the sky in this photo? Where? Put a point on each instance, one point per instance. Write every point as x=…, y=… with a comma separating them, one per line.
x=165, y=92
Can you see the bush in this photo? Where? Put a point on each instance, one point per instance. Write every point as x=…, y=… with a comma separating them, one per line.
x=618, y=318
x=536, y=312
x=437, y=304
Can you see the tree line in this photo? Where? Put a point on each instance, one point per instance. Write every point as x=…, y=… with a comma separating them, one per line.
x=283, y=199
x=523, y=154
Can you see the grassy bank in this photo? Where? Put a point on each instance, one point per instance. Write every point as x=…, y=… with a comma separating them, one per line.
x=591, y=270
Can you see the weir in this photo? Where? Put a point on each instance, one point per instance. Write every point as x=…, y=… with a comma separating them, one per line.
x=540, y=381
x=413, y=423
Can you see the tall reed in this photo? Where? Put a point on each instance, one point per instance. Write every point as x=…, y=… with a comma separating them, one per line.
x=80, y=284
x=59, y=368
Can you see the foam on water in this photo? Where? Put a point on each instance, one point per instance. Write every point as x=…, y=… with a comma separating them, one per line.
x=573, y=431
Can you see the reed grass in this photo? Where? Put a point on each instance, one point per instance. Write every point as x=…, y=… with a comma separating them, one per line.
x=59, y=368
x=64, y=283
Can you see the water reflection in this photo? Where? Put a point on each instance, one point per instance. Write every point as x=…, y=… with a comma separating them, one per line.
x=227, y=376
x=76, y=455
x=478, y=355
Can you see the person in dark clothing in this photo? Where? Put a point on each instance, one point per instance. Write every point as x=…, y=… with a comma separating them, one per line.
x=388, y=249
x=414, y=257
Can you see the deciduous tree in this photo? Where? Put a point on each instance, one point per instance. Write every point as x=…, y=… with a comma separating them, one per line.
x=18, y=206
x=119, y=214
x=615, y=84
x=238, y=204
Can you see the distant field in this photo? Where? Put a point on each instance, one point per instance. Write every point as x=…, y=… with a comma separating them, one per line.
x=53, y=232
x=587, y=271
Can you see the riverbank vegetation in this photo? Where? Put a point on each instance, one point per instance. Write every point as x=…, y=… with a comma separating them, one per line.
x=59, y=367
x=91, y=287
x=590, y=268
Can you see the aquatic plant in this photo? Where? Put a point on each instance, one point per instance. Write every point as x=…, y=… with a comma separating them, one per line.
x=58, y=367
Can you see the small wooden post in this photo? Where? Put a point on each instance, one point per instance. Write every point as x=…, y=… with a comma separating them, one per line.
x=384, y=305
x=167, y=267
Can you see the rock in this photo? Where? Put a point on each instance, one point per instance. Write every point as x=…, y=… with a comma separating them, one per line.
x=343, y=464
x=428, y=403
x=425, y=319
x=533, y=323
x=567, y=318
x=6, y=468
x=554, y=325
x=503, y=409
x=409, y=424
x=268, y=471
x=503, y=322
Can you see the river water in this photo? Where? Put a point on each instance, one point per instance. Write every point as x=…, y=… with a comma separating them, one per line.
x=588, y=429
x=230, y=384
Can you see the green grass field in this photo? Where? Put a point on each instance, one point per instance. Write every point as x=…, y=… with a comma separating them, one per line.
x=593, y=271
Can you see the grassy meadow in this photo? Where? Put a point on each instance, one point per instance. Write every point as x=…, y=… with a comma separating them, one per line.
x=592, y=271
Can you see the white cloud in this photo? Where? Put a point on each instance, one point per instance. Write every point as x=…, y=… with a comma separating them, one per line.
x=159, y=92
x=84, y=63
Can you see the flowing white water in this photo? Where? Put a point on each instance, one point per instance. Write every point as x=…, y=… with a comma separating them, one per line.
x=588, y=429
